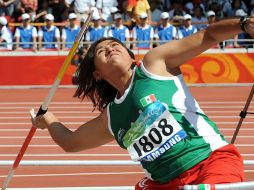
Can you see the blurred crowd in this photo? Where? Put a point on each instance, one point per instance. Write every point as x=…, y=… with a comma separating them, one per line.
x=54, y=24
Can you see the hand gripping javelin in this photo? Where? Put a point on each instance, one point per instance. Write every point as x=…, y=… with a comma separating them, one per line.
x=44, y=106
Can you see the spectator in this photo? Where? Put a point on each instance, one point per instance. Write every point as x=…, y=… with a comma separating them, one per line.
x=5, y=34
x=97, y=31
x=104, y=7
x=199, y=18
x=156, y=10
x=217, y=8
x=7, y=7
x=239, y=39
x=143, y=32
x=118, y=30
x=177, y=9
x=165, y=32
x=33, y=4
x=252, y=8
x=25, y=35
x=187, y=28
x=69, y=33
x=166, y=5
x=82, y=7
x=141, y=6
x=211, y=17
x=229, y=9
x=43, y=9
x=49, y=34
x=113, y=12
x=58, y=9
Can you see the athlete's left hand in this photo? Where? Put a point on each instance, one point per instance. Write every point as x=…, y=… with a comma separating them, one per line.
x=249, y=26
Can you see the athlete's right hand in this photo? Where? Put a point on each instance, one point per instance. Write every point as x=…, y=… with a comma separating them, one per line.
x=42, y=121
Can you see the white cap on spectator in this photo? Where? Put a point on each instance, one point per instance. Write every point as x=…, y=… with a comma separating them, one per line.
x=117, y=16
x=96, y=17
x=164, y=15
x=72, y=16
x=25, y=16
x=104, y=17
x=113, y=10
x=49, y=17
x=3, y=20
x=240, y=12
x=210, y=13
x=187, y=17
x=143, y=15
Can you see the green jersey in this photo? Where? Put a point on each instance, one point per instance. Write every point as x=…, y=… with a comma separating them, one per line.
x=161, y=125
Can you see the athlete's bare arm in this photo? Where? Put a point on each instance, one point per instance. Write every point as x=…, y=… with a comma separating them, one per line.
x=164, y=59
x=89, y=135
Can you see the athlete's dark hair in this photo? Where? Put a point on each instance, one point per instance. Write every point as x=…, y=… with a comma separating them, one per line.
x=101, y=93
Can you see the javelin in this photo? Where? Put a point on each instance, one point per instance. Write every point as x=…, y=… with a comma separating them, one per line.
x=44, y=106
x=243, y=114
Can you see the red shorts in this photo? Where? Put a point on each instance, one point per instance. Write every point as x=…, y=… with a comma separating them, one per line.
x=224, y=165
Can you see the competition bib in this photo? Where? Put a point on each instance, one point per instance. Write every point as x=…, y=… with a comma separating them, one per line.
x=154, y=132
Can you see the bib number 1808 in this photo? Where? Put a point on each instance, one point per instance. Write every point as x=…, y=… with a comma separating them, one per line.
x=146, y=143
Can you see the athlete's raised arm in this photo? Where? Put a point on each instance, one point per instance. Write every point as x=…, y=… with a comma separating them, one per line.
x=89, y=135
x=165, y=58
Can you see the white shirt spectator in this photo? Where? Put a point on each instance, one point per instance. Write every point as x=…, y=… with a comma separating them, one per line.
x=127, y=32
x=134, y=34
x=202, y=20
x=34, y=31
x=174, y=31
x=57, y=32
x=105, y=6
x=88, y=38
x=64, y=31
x=81, y=6
x=190, y=28
x=228, y=9
x=6, y=35
x=156, y=15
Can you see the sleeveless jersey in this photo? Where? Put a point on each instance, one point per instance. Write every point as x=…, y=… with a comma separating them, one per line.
x=119, y=33
x=96, y=33
x=49, y=36
x=188, y=31
x=26, y=35
x=143, y=34
x=71, y=35
x=166, y=33
x=161, y=125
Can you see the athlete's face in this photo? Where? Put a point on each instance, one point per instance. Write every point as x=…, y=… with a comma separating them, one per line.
x=110, y=57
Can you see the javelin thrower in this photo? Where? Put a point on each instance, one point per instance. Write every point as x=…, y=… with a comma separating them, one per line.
x=44, y=106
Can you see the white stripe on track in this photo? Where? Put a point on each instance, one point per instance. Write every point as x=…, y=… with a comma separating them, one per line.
x=67, y=155
x=51, y=107
x=80, y=123
x=60, y=117
x=55, y=112
x=222, y=107
x=23, y=137
x=80, y=117
x=85, y=174
x=80, y=155
x=88, y=102
x=75, y=174
x=52, y=145
x=84, y=111
x=52, y=103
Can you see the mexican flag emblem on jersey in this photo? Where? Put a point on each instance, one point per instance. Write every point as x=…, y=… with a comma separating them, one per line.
x=147, y=100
